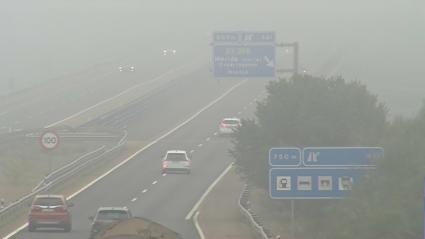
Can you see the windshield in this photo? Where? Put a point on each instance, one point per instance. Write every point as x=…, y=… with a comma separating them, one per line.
x=231, y=122
x=48, y=201
x=233, y=119
x=175, y=157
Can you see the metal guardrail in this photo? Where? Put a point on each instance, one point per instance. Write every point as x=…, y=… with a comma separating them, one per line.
x=58, y=177
x=58, y=172
x=252, y=218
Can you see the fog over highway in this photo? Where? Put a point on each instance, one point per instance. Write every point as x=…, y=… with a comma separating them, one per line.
x=376, y=42
x=144, y=68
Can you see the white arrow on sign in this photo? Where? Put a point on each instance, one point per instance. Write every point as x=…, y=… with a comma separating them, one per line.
x=269, y=62
x=49, y=140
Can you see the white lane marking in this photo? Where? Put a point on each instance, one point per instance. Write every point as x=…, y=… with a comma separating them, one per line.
x=154, y=182
x=134, y=199
x=196, y=206
x=197, y=226
x=157, y=140
x=144, y=190
x=141, y=150
x=191, y=151
x=215, y=133
x=111, y=98
x=208, y=139
x=200, y=145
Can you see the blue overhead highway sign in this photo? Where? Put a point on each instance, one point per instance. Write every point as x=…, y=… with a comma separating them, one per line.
x=244, y=54
x=241, y=37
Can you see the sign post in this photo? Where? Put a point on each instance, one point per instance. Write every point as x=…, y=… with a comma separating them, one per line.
x=49, y=140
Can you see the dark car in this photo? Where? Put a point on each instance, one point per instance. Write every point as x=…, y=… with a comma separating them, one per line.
x=50, y=211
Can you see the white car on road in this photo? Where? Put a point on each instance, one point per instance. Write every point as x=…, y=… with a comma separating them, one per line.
x=228, y=125
x=176, y=161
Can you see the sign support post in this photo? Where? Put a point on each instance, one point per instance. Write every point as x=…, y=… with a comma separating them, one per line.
x=49, y=140
x=292, y=218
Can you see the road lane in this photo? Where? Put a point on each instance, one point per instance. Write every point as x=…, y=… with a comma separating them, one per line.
x=170, y=199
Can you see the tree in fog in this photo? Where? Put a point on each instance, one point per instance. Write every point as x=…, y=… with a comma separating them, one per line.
x=308, y=111
x=388, y=204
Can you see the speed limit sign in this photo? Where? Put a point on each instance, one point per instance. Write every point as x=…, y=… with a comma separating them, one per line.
x=49, y=140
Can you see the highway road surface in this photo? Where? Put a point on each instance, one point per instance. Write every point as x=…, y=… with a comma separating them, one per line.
x=60, y=98
x=187, y=118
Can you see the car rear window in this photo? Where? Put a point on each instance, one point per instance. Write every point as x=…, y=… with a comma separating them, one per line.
x=176, y=157
x=230, y=122
x=112, y=215
x=48, y=201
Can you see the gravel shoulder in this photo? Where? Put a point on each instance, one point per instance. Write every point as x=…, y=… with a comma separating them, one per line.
x=219, y=215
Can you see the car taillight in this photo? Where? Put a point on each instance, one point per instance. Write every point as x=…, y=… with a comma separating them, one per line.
x=187, y=163
x=60, y=209
x=164, y=164
x=223, y=125
x=35, y=209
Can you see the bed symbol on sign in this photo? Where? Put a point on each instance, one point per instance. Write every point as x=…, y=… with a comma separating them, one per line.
x=283, y=183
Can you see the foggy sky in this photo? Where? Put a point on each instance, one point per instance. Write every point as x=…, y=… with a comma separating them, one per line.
x=379, y=42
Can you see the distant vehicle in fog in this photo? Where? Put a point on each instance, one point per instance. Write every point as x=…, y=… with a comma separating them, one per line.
x=228, y=125
x=50, y=211
x=176, y=161
x=126, y=68
x=107, y=216
x=168, y=52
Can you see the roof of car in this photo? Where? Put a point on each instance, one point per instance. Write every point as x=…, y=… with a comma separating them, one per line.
x=49, y=196
x=113, y=209
x=237, y=119
x=176, y=151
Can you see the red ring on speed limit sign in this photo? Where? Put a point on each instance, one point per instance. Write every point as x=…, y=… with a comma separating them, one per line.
x=49, y=140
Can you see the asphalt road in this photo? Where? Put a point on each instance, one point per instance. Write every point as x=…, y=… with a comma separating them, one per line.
x=60, y=98
x=139, y=183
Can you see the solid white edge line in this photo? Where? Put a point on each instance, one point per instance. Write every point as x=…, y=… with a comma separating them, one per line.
x=196, y=206
x=197, y=226
x=141, y=150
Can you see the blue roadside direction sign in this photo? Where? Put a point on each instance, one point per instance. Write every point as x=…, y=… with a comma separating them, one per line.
x=312, y=183
x=342, y=156
x=285, y=157
x=244, y=54
x=319, y=172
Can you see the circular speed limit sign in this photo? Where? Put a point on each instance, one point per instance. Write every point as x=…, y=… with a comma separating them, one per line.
x=49, y=140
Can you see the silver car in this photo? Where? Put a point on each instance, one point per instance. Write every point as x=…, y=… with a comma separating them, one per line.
x=176, y=161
